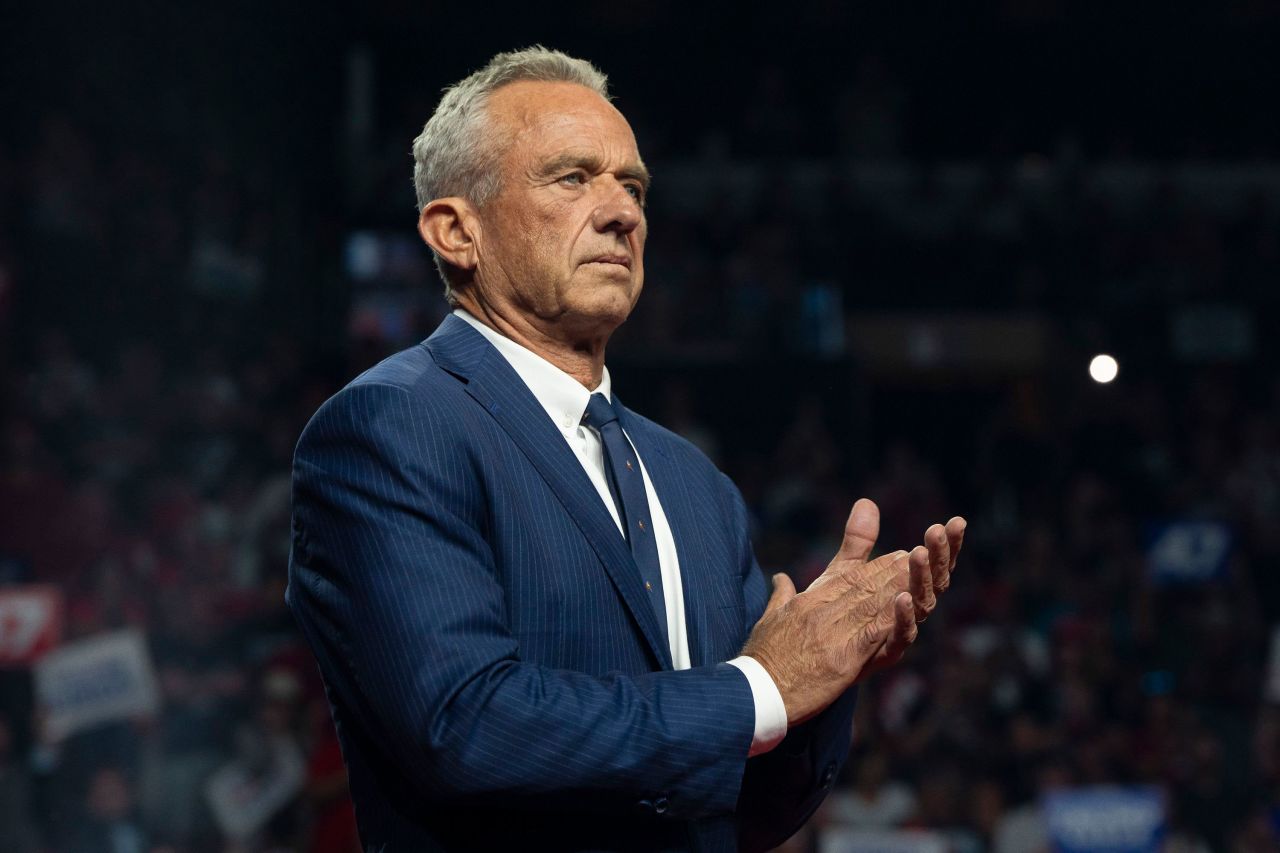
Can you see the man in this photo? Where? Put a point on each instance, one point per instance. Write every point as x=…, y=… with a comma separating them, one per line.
x=537, y=614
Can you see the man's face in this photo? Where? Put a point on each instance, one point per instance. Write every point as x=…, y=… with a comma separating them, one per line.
x=563, y=241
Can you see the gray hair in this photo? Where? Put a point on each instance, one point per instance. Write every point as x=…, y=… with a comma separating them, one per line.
x=456, y=154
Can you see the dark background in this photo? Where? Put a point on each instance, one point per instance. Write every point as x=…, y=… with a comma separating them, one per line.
x=884, y=243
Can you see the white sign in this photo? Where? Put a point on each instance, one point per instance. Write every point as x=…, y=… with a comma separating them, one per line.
x=242, y=801
x=881, y=841
x=1272, y=690
x=102, y=678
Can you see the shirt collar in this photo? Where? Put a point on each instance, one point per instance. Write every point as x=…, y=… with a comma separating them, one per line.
x=563, y=397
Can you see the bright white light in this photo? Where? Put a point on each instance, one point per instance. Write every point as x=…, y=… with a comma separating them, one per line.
x=1103, y=368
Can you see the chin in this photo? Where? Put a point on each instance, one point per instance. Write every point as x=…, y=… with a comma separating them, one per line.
x=599, y=315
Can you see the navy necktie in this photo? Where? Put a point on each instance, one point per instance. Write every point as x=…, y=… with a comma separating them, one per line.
x=622, y=470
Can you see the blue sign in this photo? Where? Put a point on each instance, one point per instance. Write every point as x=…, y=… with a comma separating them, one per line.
x=1188, y=552
x=1105, y=819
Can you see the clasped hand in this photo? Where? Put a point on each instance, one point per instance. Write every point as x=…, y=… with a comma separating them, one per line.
x=858, y=617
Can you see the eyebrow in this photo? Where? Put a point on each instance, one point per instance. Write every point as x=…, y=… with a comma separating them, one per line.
x=591, y=162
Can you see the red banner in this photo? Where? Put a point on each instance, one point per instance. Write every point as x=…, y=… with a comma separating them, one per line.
x=30, y=623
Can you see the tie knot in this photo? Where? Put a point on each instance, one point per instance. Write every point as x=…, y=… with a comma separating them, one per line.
x=599, y=412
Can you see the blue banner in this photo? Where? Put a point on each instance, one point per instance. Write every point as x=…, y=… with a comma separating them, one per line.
x=1105, y=819
x=1188, y=552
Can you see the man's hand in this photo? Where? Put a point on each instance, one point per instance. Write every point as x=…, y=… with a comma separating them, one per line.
x=856, y=618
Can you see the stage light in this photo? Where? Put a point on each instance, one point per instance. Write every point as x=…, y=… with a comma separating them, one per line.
x=1103, y=368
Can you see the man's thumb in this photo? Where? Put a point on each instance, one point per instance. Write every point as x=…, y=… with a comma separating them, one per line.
x=783, y=591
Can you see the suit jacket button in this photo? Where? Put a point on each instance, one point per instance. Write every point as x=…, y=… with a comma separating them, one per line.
x=645, y=805
x=828, y=775
x=660, y=805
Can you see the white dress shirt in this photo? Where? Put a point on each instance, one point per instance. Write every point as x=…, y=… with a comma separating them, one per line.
x=565, y=400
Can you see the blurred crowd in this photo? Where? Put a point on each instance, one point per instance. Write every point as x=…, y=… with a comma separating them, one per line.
x=152, y=395
x=1062, y=660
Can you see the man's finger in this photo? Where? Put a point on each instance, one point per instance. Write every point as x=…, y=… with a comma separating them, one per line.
x=860, y=531
x=955, y=538
x=939, y=557
x=783, y=591
x=904, y=627
x=892, y=630
x=921, y=583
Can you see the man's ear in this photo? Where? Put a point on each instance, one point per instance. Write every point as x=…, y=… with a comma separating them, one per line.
x=450, y=226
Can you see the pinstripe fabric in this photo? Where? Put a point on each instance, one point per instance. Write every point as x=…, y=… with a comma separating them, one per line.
x=497, y=676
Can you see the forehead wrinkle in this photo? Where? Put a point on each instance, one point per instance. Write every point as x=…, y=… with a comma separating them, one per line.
x=589, y=160
x=524, y=120
x=592, y=161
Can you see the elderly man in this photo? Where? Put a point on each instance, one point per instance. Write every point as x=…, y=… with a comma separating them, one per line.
x=537, y=613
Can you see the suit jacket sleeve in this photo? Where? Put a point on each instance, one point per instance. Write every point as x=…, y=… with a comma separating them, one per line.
x=784, y=786
x=396, y=588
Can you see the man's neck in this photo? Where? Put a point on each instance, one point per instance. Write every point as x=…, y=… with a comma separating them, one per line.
x=581, y=359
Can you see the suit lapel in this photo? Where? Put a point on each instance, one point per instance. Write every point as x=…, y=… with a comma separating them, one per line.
x=677, y=505
x=493, y=383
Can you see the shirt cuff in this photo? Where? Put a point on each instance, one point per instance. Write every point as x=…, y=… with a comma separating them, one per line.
x=771, y=713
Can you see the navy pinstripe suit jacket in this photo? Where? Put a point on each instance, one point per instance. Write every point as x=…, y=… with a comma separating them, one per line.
x=495, y=671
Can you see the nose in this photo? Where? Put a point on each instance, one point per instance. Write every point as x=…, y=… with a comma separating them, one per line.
x=618, y=211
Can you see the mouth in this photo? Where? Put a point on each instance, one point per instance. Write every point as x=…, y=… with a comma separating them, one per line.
x=619, y=260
